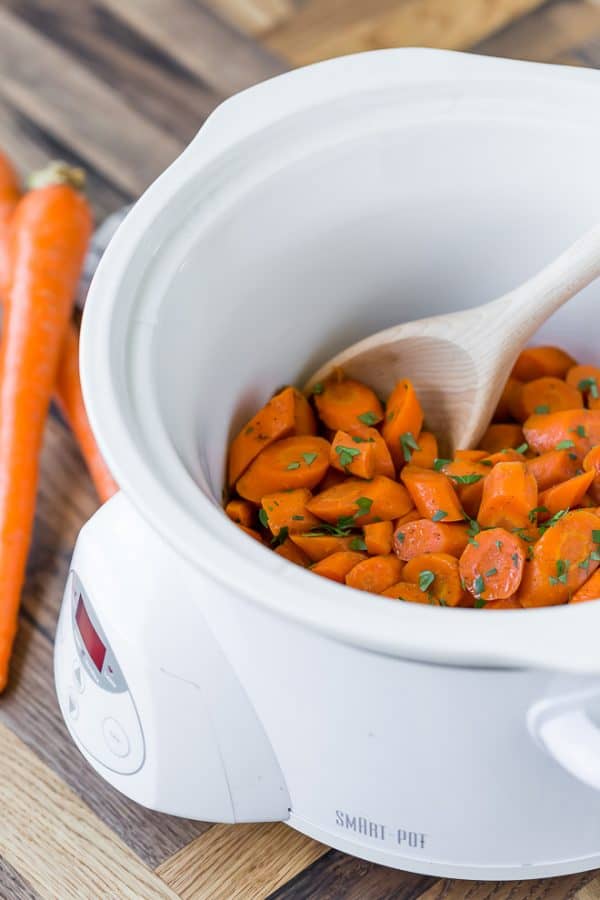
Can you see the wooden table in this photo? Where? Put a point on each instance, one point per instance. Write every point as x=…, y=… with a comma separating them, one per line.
x=120, y=86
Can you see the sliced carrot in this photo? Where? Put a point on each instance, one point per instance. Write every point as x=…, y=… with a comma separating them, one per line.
x=383, y=460
x=552, y=467
x=587, y=380
x=509, y=603
x=425, y=536
x=405, y=590
x=317, y=547
x=375, y=574
x=338, y=565
x=427, y=453
x=379, y=537
x=294, y=462
x=287, y=509
x=502, y=412
x=432, y=494
x=362, y=502
x=563, y=558
x=491, y=566
x=411, y=516
x=331, y=479
x=403, y=422
x=470, y=498
x=591, y=463
x=241, y=512
x=566, y=495
x=292, y=553
x=509, y=495
x=544, y=395
x=251, y=532
x=575, y=430
x=274, y=421
x=470, y=455
x=304, y=417
x=535, y=362
x=501, y=437
x=508, y=455
x=462, y=472
x=589, y=590
x=353, y=458
x=437, y=576
x=343, y=403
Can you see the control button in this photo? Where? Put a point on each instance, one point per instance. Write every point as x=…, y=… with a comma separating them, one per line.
x=73, y=706
x=116, y=739
x=78, y=677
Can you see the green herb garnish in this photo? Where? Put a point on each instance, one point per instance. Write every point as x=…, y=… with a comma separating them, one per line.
x=498, y=544
x=479, y=602
x=533, y=513
x=293, y=465
x=309, y=458
x=318, y=388
x=565, y=445
x=426, y=579
x=438, y=515
x=596, y=535
x=562, y=569
x=479, y=585
x=298, y=518
x=473, y=528
x=522, y=448
x=400, y=536
x=515, y=559
x=555, y=518
x=357, y=544
x=408, y=444
x=466, y=479
x=361, y=440
x=346, y=454
x=263, y=518
x=491, y=572
x=438, y=464
x=281, y=537
x=364, y=505
x=368, y=418
x=541, y=410
x=580, y=431
x=589, y=384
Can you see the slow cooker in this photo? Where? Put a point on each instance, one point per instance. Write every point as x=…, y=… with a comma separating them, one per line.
x=206, y=677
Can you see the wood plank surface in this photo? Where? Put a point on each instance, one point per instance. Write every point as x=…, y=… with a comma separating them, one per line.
x=120, y=86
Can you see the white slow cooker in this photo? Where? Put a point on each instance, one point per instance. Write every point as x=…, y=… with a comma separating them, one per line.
x=206, y=677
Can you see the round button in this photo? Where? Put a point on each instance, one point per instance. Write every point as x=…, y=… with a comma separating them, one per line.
x=115, y=737
x=78, y=676
x=73, y=706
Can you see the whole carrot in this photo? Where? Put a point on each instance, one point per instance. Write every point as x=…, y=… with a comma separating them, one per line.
x=70, y=400
x=10, y=193
x=49, y=234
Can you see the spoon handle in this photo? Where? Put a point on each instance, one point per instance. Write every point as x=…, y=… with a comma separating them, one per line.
x=526, y=307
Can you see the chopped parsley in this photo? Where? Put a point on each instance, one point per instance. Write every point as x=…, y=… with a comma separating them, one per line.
x=408, y=444
x=426, y=579
x=249, y=429
x=533, y=513
x=596, y=536
x=580, y=431
x=361, y=440
x=368, y=418
x=318, y=388
x=400, y=536
x=541, y=410
x=491, y=572
x=479, y=602
x=309, y=458
x=562, y=571
x=584, y=564
x=466, y=479
x=522, y=448
x=479, y=585
x=438, y=464
x=498, y=544
x=438, y=515
x=357, y=544
x=589, y=384
x=520, y=532
x=364, y=505
x=293, y=465
x=572, y=456
x=595, y=556
x=281, y=537
x=264, y=519
x=346, y=455
x=473, y=528
x=298, y=518
x=565, y=445
x=473, y=542
x=515, y=560
x=555, y=518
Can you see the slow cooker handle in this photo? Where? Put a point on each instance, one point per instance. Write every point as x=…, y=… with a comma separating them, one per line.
x=567, y=732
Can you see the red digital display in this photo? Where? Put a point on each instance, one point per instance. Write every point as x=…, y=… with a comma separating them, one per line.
x=89, y=635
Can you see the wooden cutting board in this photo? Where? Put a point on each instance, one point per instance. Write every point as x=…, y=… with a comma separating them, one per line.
x=120, y=86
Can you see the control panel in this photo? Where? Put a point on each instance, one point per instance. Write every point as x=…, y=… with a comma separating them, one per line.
x=92, y=691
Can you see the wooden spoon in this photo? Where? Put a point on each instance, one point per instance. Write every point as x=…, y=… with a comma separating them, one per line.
x=459, y=362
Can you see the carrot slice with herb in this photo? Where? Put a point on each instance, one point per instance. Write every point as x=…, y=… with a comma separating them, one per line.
x=361, y=502
x=338, y=565
x=405, y=590
x=544, y=395
x=49, y=234
x=566, y=495
x=432, y=494
x=353, y=458
x=492, y=565
x=427, y=453
x=509, y=495
x=501, y=437
x=304, y=418
x=10, y=193
x=563, y=558
x=535, y=362
x=502, y=412
x=586, y=379
x=379, y=537
x=274, y=421
x=287, y=510
x=241, y=512
x=437, y=576
x=288, y=550
x=553, y=467
x=469, y=455
x=509, y=603
x=318, y=546
x=294, y=462
x=508, y=455
x=383, y=459
x=375, y=574
x=424, y=536
x=343, y=403
x=589, y=590
x=403, y=422
x=575, y=430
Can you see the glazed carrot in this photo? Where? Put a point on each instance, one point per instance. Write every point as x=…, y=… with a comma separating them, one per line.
x=462, y=472
x=353, y=458
x=591, y=463
x=241, y=512
x=338, y=565
x=294, y=462
x=491, y=566
x=304, y=417
x=535, y=362
x=403, y=422
x=551, y=468
x=587, y=380
x=425, y=536
x=509, y=495
x=544, y=395
x=437, y=576
x=405, y=590
x=412, y=515
x=274, y=421
x=502, y=412
x=317, y=547
x=383, y=459
x=563, y=558
x=70, y=400
x=362, y=502
x=589, y=590
x=375, y=574
x=566, y=495
x=287, y=509
x=379, y=537
x=432, y=494
x=470, y=455
x=50, y=230
x=470, y=498
x=509, y=603
x=343, y=404
x=332, y=478
x=501, y=437
x=508, y=455
x=10, y=193
x=251, y=532
x=427, y=453
x=293, y=554
x=575, y=430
